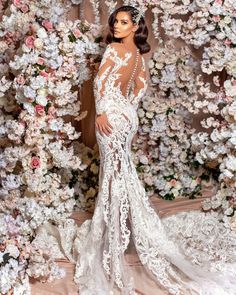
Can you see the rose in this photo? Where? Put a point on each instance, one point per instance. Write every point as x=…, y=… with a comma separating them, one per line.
x=47, y=24
x=77, y=33
x=173, y=182
x=20, y=80
x=30, y=99
x=51, y=112
x=198, y=180
x=24, y=8
x=216, y=18
x=9, y=38
x=39, y=110
x=40, y=61
x=29, y=42
x=227, y=42
x=17, y=3
x=44, y=74
x=35, y=162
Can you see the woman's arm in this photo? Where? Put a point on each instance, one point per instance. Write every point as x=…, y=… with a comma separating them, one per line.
x=100, y=80
x=105, y=68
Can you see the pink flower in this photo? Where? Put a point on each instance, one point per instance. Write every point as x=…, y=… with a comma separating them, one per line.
x=216, y=18
x=227, y=42
x=228, y=98
x=17, y=3
x=198, y=180
x=51, y=112
x=30, y=99
x=47, y=24
x=77, y=33
x=39, y=110
x=30, y=41
x=40, y=61
x=20, y=80
x=234, y=82
x=49, y=97
x=24, y=8
x=44, y=74
x=35, y=162
x=173, y=182
x=9, y=37
x=219, y=2
x=3, y=246
x=23, y=123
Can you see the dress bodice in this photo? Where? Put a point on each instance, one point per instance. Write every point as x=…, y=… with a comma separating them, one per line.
x=121, y=77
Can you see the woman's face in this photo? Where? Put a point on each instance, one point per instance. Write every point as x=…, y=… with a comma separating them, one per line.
x=123, y=25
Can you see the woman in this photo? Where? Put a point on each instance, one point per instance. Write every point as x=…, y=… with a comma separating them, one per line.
x=123, y=214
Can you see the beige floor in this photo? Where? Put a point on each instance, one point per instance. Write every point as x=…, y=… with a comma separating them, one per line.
x=144, y=284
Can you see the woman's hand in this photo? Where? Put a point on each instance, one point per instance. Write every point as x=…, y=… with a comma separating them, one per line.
x=101, y=122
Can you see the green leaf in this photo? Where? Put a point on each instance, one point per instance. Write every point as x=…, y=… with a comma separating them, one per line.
x=168, y=197
x=169, y=110
x=72, y=38
x=98, y=39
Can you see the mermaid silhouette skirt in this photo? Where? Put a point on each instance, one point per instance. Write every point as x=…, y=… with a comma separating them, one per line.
x=124, y=216
x=123, y=213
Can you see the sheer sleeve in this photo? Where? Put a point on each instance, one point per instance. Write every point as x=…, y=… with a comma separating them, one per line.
x=140, y=85
x=100, y=80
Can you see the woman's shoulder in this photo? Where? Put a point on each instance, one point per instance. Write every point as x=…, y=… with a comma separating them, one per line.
x=118, y=47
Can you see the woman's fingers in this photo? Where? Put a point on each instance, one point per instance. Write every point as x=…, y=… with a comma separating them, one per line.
x=109, y=125
x=106, y=130
x=103, y=129
x=103, y=125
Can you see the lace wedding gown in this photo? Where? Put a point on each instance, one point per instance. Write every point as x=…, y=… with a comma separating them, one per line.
x=124, y=216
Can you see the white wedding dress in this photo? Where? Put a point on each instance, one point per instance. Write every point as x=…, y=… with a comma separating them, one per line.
x=124, y=215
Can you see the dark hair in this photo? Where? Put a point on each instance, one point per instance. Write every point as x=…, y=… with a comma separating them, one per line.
x=140, y=35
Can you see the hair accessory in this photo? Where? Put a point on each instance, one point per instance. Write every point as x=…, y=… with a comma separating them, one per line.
x=140, y=13
x=140, y=9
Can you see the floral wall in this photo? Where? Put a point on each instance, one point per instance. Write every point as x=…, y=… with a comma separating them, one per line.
x=49, y=167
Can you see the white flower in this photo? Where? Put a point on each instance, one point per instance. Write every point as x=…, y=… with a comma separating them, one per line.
x=230, y=162
x=42, y=92
x=227, y=20
x=38, y=43
x=230, y=89
x=42, y=33
x=55, y=124
x=151, y=63
x=12, y=181
x=143, y=159
x=141, y=113
x=12, y=250
x=149, y=115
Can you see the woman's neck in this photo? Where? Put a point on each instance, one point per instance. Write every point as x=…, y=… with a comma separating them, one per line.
x=129, y=41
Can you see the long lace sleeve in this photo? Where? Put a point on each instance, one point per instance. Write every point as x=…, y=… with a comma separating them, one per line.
x=140, y=85
x=100, y=80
